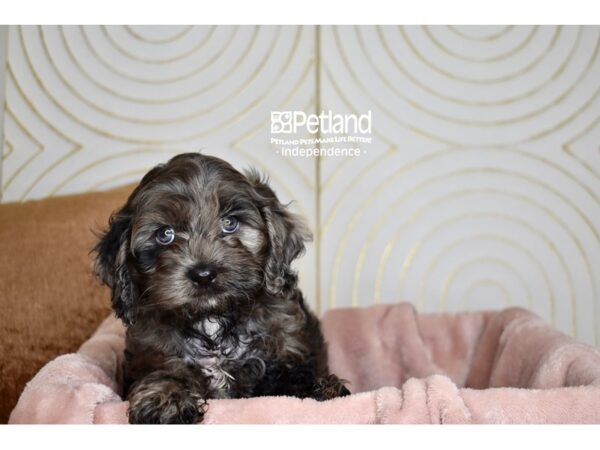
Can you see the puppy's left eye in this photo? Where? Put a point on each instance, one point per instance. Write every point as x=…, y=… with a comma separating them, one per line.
x=165, y=235
x=229, y=224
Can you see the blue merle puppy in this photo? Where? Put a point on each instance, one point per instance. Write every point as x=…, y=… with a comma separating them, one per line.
x=199, y=264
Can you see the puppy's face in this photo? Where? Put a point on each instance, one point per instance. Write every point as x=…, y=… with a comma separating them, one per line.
x=198, y=238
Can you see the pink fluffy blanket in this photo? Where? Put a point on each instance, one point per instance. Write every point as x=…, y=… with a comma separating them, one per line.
x=403, y=367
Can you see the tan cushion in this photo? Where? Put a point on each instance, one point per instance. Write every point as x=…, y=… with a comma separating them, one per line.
x=50, y=301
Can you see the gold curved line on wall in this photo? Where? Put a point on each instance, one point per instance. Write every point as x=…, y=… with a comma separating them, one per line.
x=547, y=107
x=362, y=88
x=30, y=104
x=252, y=105
x=281, y=181
x=251, y=132
x=575, y=179
x=66, y=111
x=38, y=149
x=513, y=51
x=534, y=157
x=103, y=159
x=547, y=241
x=117, y=71
x=260, y=98
x=168, y=151
x=413, y=251
x=18, y=171
x=586, y=130
x=452, y=119
x=371, y=197
x=485, y=282
x=107, y=64
x=442, y=304
x=338, y=91
x=236, y=144
x=115, y=44
x=356, y=216
x=318, y=54
x=76, y=148
x=567, y=147
x=492, y=237
x=99, y=185
x=10, y=113
x=502, y=102
x=48, y=169
x=112, y=113
x=374, y=231
x=474, y=262
x=101, y=132
x=553, y=103
x=452, y=76
x=273, y=175
x=487, y=260
x=491, y=37
x=339, y=168
x=137, y=35
x=391, y=151
x=333, y=211
x=8, y=149
x=568, y=119
x=187, y=96
x=358, y=213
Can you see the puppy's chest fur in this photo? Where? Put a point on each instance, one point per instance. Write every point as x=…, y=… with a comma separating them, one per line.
x=221, y=356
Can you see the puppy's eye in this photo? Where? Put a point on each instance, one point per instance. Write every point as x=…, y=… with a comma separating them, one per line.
x=165, y=235
x=229, y=224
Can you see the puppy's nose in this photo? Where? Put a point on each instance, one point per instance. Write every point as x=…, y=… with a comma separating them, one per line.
x=202, y=275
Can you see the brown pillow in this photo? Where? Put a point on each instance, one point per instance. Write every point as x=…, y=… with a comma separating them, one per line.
x=50, y=301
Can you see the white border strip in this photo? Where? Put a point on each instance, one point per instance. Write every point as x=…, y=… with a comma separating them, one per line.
x=301, y=12
x=326, y=437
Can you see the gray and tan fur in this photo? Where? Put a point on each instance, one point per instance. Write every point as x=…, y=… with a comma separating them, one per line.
x=217, y=312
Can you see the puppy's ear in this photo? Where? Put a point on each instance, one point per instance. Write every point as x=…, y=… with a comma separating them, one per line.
x=110, y=265
x=111, y=255
x=287, y=232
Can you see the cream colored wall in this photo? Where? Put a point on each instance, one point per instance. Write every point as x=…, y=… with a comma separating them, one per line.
x=3, y=55
x=481, y=189
x=92, y=107
x=483, y=186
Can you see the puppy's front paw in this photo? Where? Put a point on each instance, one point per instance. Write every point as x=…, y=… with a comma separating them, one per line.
x=330, y=387
x=162, y=402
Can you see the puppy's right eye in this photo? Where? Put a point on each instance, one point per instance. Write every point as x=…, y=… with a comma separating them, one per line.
x=165, y=235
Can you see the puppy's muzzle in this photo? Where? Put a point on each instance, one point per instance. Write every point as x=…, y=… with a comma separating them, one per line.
x=202, y=275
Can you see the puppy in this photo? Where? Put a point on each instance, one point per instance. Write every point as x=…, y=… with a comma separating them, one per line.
x=198, y=261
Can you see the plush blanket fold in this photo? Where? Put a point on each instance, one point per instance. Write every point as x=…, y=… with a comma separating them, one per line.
x=483, y=367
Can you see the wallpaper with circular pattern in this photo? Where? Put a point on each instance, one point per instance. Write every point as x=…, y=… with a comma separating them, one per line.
x=92, y=107
x=481, y=188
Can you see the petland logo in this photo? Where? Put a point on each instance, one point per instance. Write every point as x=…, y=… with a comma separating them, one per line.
x=297, y=134
x=291, y=122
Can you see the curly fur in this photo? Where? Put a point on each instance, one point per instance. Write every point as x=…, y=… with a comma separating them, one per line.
x=247, y=333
